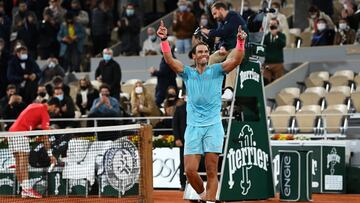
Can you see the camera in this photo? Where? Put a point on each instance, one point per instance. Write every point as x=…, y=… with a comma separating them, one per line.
x=199, y=35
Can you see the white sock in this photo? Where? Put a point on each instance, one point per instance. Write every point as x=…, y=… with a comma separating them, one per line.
x=202, y=195
x=25, y=184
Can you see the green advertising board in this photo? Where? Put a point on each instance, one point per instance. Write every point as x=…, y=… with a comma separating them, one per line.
x=56, y=184
x=7, y=182
x=246, y=171
x=333, y=169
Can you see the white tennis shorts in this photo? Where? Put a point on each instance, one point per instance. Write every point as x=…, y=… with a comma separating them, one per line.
x=19, y=144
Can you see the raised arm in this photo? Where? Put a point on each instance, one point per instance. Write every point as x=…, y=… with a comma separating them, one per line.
x=237, y=53
x=174, y=64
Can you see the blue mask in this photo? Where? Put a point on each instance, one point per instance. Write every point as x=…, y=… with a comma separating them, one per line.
x=182, y=8
x=130, y=12
x=106, y=57
x=60, y=97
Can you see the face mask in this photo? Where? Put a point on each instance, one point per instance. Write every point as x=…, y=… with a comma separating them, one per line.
x=106, y=57
x=52, y=65
x=273, y=27
x=60, y=97
x=245, y=8
x=23, y=56
x=321, y=26
x=204, y=22
x=182, y=8
x=152, y=38
x=345, y=6
x=138, y=90
x=130, y=12
x=342, y=26
x=42, y=94
x=313, y=16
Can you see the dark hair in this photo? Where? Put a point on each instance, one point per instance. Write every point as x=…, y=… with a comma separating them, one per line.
x=54, y=101
x=20, y=48
x=219, y=5
x=313, y=9
x=277, y=4
x=193, y=50
x=104, y=85
x=69, y=16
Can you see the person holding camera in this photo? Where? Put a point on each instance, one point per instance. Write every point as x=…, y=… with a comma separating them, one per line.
x=274, y=42
x=226, y=32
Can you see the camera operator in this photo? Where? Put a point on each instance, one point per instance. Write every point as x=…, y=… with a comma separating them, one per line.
x=226, y=32
x=200, y=36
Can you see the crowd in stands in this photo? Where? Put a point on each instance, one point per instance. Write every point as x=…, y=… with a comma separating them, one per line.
x=65, y=32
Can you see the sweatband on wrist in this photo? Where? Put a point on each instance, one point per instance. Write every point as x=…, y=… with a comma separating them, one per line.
x=240, y=45
x=165, y=47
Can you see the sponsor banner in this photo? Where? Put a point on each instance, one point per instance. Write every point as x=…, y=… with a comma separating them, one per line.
x=166, y=162
x=8, y=182
x=333, y=169
x=79, y=187
x=56, y=184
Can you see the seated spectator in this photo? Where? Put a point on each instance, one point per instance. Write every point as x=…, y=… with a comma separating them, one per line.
x=351, y=13
x=13, y=109
x=10, y=90
x=142, y=103
x=109, y=72
x=42, y=95
x=51, y=70
x=25, y=73
x=344, y=34
x=151, y=45
x=57, y=81
x=85, y=96
x=129, y=32
x=71, y=37
x=4, y=60
x=314, y=16
x=324, y=35
x=48, y=29
x=169, y=109
x=67, y=108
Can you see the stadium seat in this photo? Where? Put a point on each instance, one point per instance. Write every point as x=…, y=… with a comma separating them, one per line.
x=357, y=81
x=287, y=96
x=355, y=97
x=150, y=88
x=132, y=81
x=152, y=80
x=306, y=37
x=306, y=118
x=312, y=96
x=128, y=86
x=281, y=118
x=341, y=78
x=317, y=79
x=333, y=117
x=337, y=95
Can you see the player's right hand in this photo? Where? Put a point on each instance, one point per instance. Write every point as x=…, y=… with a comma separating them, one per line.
x=162, y=30
x=241, y=35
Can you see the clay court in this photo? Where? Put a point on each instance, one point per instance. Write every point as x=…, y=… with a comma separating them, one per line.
x=174, y=196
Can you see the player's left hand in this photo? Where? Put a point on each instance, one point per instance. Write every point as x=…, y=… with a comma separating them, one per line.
x=53, y=160
x=241, y=35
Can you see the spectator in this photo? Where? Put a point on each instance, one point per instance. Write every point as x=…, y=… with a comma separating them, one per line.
x=344, y=34
x=4, y=59
x=25, y=25
x=314, y=15
x=129, y=32
x=42, y=95
x=5, y=26
x=57, y=10
x=85, y=96
x=199, y=8
x=142, y=103
x=204, y=23
x=10, y=90
x=25, y=73
x=57, y=81
x=109, y=72
x=13, y=109
x=67, y=108
x=283, y=23
x=81, y=16
x=151, y=45
x=229, y=23
x=324, y=35
x=101, y=26
x=247, y=11
x=351, y=13
x=71, y=37
x=274, y=42
x=165, y=78
x=51, y=70
x=184, y=24
x=48, y=43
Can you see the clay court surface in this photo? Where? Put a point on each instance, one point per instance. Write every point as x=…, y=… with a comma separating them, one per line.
x=170, y=196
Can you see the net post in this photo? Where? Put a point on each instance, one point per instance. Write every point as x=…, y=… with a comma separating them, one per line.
x=146, y=182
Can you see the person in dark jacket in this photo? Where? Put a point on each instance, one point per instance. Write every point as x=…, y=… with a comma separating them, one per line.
x=179, y=126
x=48, y=43
x=5, y=26
x=13, y=109
x=274, y=42
x=109, y=72
x=67, y=108
x=101, y=26
x=129, y=32
x=10, y=90
x=165, y=78
x=4, y=60
x=85, y=96
x=25, y=73
x=324, y=36
x=50, y=70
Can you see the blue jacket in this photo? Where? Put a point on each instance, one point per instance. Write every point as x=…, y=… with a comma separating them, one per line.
x=103, y=109
x=228, y=29
x=63, y=32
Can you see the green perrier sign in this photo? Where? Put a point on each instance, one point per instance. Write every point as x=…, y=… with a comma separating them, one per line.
x=247, y=164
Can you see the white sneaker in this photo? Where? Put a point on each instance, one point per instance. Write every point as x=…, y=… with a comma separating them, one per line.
x=228, y=95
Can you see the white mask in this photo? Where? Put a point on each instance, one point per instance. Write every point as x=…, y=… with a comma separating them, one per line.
x=138, y=90
x=342, y=26
x=321, y=26
x=52, y=65
x=204, y=22
x=245, y=8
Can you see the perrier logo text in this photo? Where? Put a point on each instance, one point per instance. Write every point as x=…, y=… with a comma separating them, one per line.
x=248, y=75
x=244, y=158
